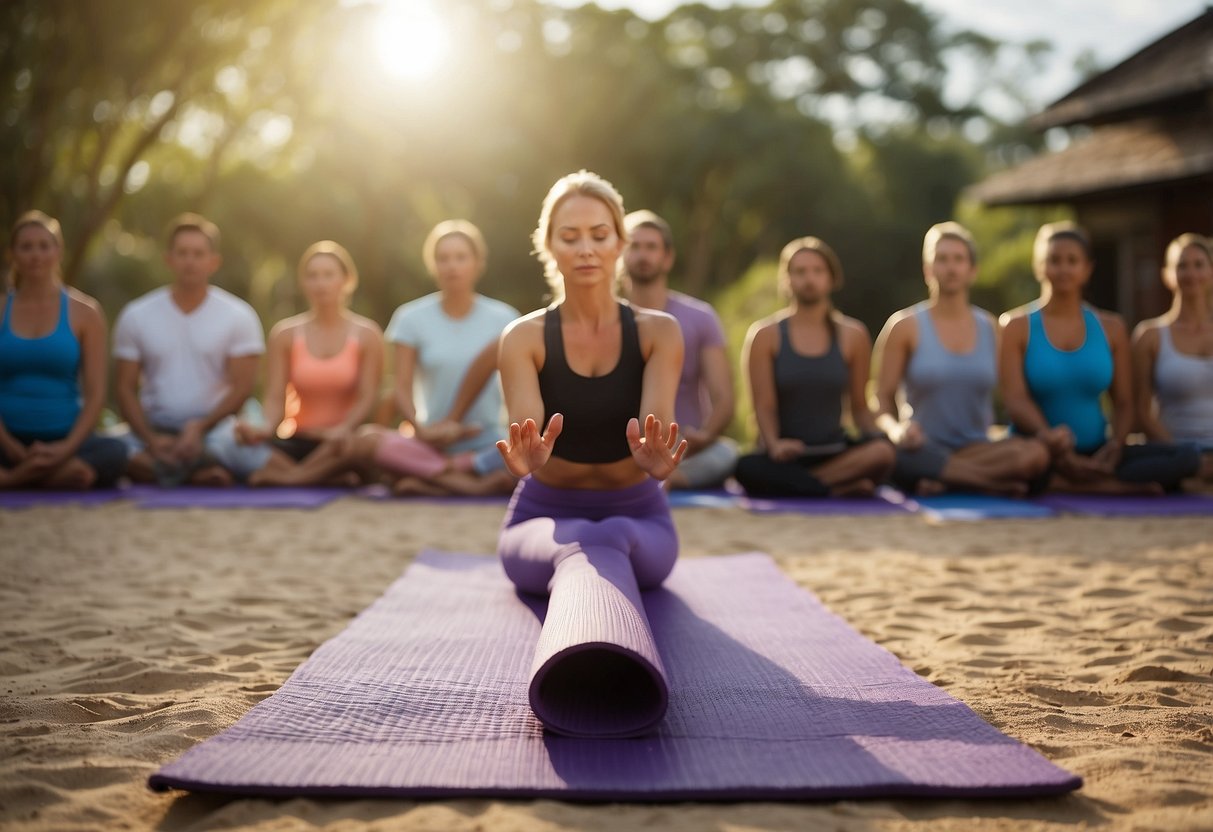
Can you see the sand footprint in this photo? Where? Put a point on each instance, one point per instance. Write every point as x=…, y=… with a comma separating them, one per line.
x=1180, y=625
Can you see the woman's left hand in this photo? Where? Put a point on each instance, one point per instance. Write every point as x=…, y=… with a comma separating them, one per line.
x=51, y=454
x=1108, y=456
x=657, y=454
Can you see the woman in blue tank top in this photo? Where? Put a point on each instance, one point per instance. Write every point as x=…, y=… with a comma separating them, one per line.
x=1173, y=354
x=802, y=364
x=52, y=371
x=1059, y=359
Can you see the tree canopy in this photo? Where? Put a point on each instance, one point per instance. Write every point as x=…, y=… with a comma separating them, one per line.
x=743, y=126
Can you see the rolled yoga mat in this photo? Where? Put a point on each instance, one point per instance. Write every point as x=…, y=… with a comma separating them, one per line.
x=771, y=697
x=597, y=672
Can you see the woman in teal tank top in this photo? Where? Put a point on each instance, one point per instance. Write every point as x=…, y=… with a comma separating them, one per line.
x=52, y=371
x=1058, y=359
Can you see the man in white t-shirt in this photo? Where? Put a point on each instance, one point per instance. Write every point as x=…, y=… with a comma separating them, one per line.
x=186, y=360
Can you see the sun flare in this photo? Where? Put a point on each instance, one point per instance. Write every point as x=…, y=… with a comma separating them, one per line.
x=411, y=41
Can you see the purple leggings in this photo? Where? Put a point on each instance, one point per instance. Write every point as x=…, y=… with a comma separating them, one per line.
x=544, y=525
x=596, y=671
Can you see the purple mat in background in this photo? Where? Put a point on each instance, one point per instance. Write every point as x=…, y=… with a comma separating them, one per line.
x=1108, y=505
x=886, y=501
x=30, y=498
x=703, y=498
x=969, y=507
x=771, y=696
x=382, y=492
x=187, y=496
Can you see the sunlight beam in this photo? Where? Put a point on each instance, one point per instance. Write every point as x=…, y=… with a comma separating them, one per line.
x=411, y=41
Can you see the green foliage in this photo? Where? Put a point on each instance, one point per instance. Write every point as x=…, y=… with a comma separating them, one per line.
x=745, y=127
x=751, y=298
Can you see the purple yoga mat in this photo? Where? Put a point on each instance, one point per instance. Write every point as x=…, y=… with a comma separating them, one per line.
x=186, y=496
x=882, y=503
x=37, y=497
x=1107, y=505
x=970, y=507
x=771, y=696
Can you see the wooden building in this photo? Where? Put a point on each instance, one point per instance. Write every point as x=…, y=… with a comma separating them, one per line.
x=1143, y=172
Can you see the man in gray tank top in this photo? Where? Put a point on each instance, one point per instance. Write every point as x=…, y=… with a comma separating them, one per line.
x=940, y=358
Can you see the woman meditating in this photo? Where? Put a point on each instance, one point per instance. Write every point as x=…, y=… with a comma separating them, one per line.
x=589, y=522
x=327, y=360
x=52, y=371
x=1173, y=354
x=1057, y=361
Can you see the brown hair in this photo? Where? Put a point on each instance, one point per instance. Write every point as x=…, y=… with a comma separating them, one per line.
x=947, y=231
x=453, y=228
x=43, y=221
x=1065, y=230
x=193, y=222
x=813, y=244
x=1176, y=247
x=338, y=253
x=581, y=183
x=645, y=218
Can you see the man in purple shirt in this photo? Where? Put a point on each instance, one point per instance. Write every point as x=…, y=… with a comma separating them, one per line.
x=704, y=404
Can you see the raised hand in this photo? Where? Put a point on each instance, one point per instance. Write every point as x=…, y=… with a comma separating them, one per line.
x=524, y=450
x=658, y=453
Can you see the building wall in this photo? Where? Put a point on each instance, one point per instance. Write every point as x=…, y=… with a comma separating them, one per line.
x=1130, y=233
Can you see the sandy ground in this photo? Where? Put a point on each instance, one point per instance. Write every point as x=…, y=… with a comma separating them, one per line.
x=130, y=635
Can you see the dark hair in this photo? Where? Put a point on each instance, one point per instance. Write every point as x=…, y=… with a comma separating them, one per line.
x=947, y=231
x=1061, y=231
x=817, y=246
x=645, y=218
x=193, y=222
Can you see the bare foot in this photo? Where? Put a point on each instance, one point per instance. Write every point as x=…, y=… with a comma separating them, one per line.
x=929, y=488
x=259, y=479
x=858, y=488
x=347, y=479
x=415, y=487
x=73, y=475
x=212, y=476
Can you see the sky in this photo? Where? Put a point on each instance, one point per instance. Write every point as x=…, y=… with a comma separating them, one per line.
x=1111, y=29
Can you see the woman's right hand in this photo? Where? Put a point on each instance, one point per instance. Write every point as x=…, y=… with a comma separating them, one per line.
x=14, y=450
x=524, y=450
x=446, y=432
x=1059, y=440
x=785, y=450
x=247, y=434
x=912, y=437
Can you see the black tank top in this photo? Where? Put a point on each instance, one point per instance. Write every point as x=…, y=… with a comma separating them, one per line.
x=596, y=410
x=810, y=390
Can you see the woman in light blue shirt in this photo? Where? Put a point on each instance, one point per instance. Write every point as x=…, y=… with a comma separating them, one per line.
x=436, y=339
